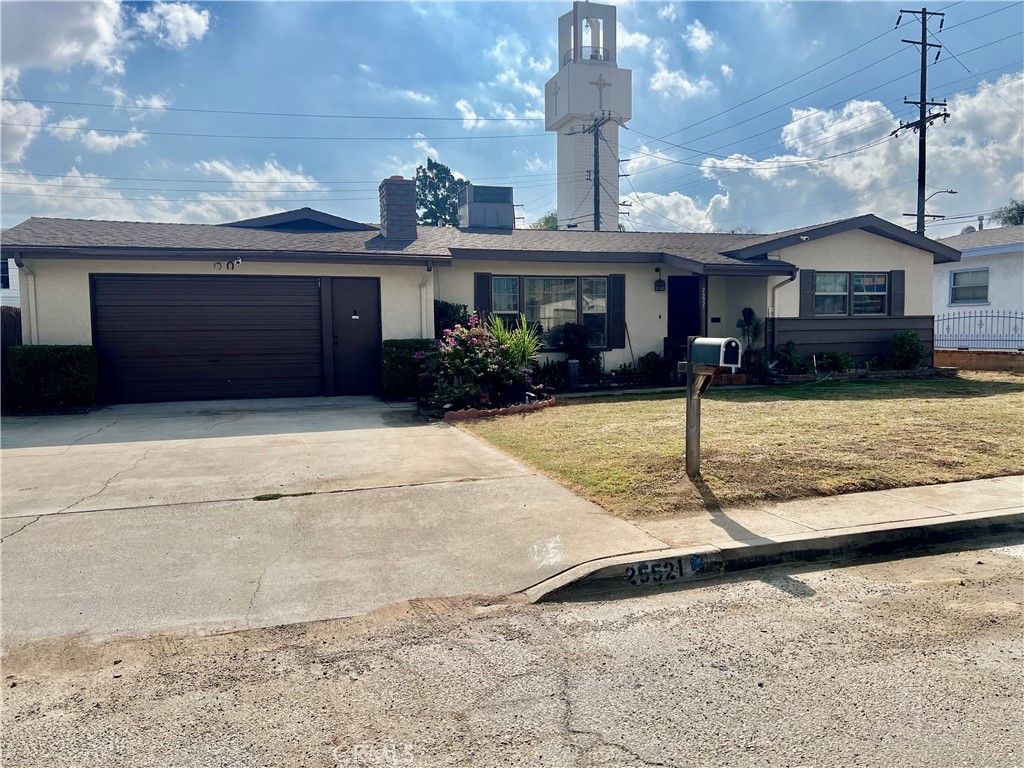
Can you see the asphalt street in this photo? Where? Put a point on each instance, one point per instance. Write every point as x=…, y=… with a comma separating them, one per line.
x=915, y=662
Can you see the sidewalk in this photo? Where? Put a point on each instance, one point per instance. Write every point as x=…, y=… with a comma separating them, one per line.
x=836, y=528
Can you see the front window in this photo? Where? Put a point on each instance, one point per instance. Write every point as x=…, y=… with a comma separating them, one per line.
x=550, y=302
x=840, y=294
x=869, y=293
x=831, y=293
x=595, y=309
x=969, y=287
x=505, y=298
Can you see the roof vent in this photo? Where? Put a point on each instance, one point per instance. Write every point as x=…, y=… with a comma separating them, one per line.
x=967, y=230
x=486, y=207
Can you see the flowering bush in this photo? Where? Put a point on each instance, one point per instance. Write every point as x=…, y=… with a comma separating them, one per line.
x=469, y=368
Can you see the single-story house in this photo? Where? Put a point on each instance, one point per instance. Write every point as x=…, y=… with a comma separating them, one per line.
x=298, y=303
x=990, y=277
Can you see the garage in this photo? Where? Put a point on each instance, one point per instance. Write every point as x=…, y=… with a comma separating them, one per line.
x=190, y=337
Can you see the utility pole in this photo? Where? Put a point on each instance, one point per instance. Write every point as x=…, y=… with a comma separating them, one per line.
x=595, y=128
x=924, y=116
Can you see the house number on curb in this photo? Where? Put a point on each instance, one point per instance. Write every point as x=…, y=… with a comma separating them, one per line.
x=660, y=571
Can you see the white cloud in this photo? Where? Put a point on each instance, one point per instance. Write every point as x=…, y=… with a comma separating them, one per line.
x=668, y=13
x=365, y=68
x=153, y=101
x=542, y=66
x=727, y=72
x=420, y=98
x=174, y=25
x=698, y=38
x=510, y=78
x=675, y=211
x=25, y=119
x=676, y=83
x=825, y=169
x=626, y=39
x=424, y=146
x=470, y=119
x=71, y=128
x=644, y=159
x=61, y=35
x=535, y=165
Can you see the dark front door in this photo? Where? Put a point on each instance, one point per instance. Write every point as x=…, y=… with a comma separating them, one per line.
x=191, y=337
x=684, y=310
x=355, y=307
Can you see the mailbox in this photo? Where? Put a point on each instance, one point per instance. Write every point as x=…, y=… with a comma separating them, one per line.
x=720, y=353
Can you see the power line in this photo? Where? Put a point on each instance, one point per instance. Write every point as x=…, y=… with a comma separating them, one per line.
x=135, y=131
x=279, y=114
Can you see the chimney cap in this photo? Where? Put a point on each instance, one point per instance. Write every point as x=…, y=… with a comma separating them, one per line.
x=402, y=178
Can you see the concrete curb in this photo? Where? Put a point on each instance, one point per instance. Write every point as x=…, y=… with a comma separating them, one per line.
x=677, y=567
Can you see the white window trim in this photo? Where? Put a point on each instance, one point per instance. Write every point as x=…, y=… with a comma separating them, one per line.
x=988, y=286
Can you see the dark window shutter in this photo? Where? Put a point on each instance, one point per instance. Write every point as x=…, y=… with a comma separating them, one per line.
x=897, y=292
x=482, y=294
x=5, y=274
x=806, y=293
x=616, y=311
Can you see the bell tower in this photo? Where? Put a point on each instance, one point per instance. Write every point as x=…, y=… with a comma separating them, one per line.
x=586, y=102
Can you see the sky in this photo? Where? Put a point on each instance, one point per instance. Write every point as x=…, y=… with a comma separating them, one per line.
x=752, y=117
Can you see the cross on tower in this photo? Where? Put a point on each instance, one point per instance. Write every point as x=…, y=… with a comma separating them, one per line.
x=554, y=95
x=601, y=84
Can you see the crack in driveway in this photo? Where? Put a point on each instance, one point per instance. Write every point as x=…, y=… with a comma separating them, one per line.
x=109, y=480
x=26, y=525
x=90, y=434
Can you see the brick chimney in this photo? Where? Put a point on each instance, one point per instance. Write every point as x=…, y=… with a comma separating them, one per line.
x=398, y=208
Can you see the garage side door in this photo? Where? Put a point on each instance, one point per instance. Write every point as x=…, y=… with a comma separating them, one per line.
x=162, y=338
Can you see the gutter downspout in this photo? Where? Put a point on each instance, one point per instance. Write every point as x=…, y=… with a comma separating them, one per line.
x=771, y=309
x=33, y=322
x=426, y=305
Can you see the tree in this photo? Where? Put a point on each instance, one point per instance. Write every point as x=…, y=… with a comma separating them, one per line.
x=1011, y=214
x=547, y=221
x=437, y=194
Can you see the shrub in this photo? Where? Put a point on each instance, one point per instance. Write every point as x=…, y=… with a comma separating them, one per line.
x=400, y=367
x=551, y=374
x=447, y=315
x=755, y=365
x=51, y=377
x=836, y=362
x=907, y=350
x=651, y=365
x=791, y=361
x=574, y=340
x=522, y=341
x=469, y=369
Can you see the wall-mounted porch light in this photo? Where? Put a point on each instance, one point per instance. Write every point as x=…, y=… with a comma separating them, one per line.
x=659, y=283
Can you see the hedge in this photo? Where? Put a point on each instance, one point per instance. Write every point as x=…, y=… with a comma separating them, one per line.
x=52, y=377
x=400, y=366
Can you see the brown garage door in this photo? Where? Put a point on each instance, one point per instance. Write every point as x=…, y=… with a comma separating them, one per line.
x=187, y=337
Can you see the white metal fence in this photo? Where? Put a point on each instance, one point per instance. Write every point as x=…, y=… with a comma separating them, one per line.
x=980, y=329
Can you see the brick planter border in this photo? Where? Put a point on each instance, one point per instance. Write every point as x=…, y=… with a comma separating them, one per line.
x=486, y=413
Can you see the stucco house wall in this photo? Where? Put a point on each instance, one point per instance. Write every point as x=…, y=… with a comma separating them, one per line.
x=57, y=307
x=861, y=252
x=1005, y=282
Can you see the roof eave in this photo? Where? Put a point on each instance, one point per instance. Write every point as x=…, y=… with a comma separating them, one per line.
x=177, y=254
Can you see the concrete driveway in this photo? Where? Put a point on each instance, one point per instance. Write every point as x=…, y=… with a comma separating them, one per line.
x=143, y=518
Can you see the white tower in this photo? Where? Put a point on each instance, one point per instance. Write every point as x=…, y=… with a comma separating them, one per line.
x=588, y=94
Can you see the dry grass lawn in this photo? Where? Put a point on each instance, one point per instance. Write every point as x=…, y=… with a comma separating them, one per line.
x=772, y=444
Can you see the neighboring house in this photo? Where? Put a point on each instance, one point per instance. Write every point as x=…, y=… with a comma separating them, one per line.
x=9, y=293
x=298, y=303
x=990, y=277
